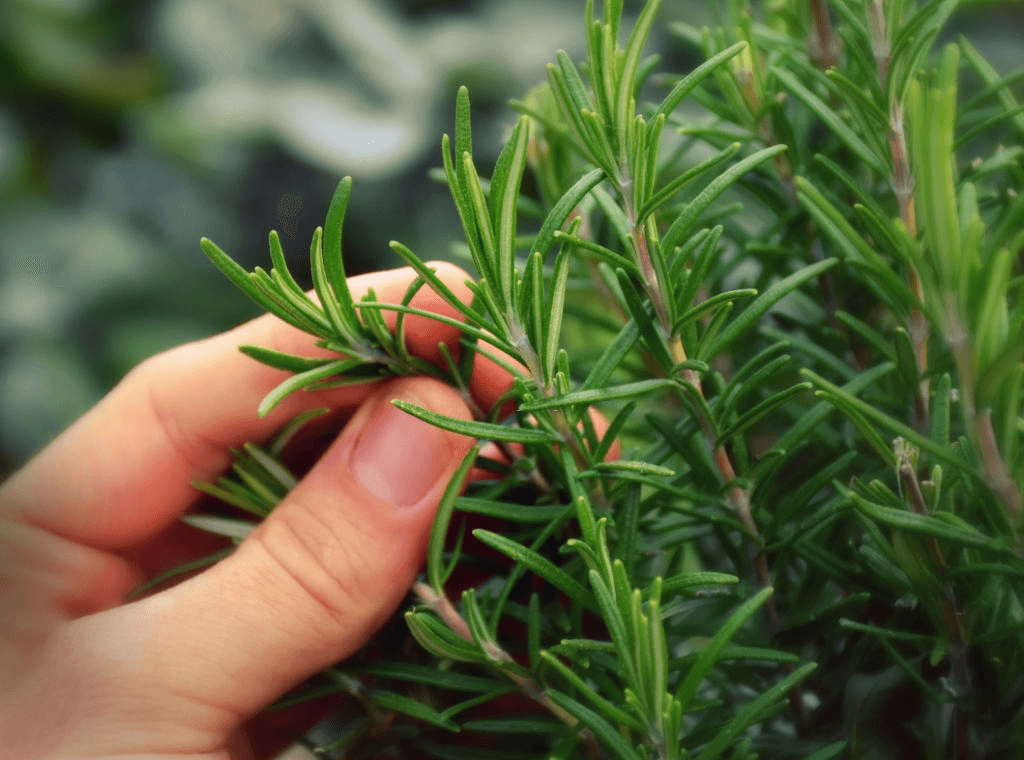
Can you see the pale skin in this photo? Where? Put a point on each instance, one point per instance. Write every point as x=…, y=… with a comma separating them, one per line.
x=179, y=674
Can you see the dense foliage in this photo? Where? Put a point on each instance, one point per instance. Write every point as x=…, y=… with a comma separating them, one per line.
x=793, y=286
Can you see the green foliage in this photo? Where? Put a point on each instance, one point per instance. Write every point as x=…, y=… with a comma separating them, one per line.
x=772, y=562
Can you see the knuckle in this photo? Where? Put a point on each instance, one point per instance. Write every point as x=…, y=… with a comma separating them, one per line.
x=333, y=571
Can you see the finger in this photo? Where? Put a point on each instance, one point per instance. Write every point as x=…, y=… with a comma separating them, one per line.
x=309, y=586
x=45, y=578
x=123, y=471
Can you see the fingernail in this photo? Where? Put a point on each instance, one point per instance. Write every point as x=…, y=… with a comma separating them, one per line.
x=398, y=457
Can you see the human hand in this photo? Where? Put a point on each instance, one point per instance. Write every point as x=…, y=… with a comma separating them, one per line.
x=176, y=674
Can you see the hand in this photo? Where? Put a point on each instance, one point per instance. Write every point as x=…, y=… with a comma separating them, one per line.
x=176, y=674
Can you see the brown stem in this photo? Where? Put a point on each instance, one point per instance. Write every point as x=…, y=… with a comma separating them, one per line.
x=996, y=472
x=903, y=187
x=501, y=660
x=824, y=44
x=917, y=325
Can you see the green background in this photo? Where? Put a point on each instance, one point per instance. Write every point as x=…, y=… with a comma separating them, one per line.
x=130, y=130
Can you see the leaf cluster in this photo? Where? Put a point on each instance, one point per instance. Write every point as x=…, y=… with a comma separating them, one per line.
x=800, y=310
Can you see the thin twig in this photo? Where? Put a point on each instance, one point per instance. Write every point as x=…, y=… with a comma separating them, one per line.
x=824, y=44
x=501, y=660
x=902, y=182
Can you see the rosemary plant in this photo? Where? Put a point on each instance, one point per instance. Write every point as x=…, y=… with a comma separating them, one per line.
x=791, y=280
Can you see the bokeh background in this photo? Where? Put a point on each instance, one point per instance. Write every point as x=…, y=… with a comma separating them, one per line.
x=128, y=130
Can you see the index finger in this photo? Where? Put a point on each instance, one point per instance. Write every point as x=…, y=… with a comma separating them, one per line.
x=124, y=470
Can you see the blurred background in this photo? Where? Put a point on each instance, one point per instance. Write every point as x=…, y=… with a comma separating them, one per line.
x=128, y=130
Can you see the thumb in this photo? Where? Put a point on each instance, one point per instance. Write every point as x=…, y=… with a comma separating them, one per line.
x=320, y=574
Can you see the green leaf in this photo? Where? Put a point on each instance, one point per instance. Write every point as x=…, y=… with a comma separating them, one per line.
x=751, y=376
x=761, y=410
x=688, y=689
x=599, y=252
x=291, y=305
x=683, y=223
x=285, y=435
x=532, y=314
x=408, y=706
x=627, y=72
x=628, y=523
x=236, y=495
x=914, y=41
x=853, y=187
x=288, y=362
x=533, y=630
x=753, y=712
x=906, y=361
x=575, y=88
x=534, y=513
x=991, y=78
x=692, y=395
x=706, y=307
x=867, y=431
x=746, y=319
x=273, y=467
x=539, y=565
x=646, y=468
x=707, y=241
x=939, y=412
x=931, y=115
x=438, y=286
x=869, y=335
x=515, y=726
x=463, y=139
x=342, y=316
x=467, y=216
x=678, y=183
x=478, y=430
x=563, y=208
x=924, y=524
x=477, y=625
x=448, y=504
x=485, y=228
x=688, y=580
x=611, y=611
x=241, y=280
x=474, y=332
x=336, y=278
x=281, y=265
x=604, y=731
x=695, y=77
x=612, y=356
x=439, y=640
x=301, y=380
x=508, y=174
x=887, y=633
x=594, y=396
x=869, y=412
x=853, y=244
x=859, y=101
x=653, y=337
x=432, y=676
x=556, y=309
x=832, y=120
x=600, y=703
